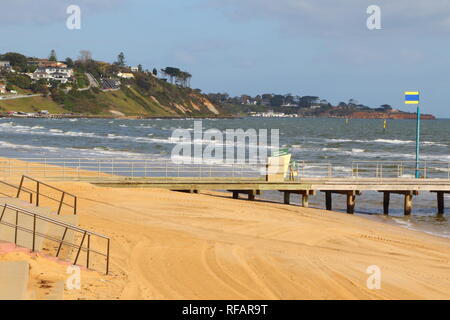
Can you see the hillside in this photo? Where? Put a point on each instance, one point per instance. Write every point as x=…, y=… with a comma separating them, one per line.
x=84, y=87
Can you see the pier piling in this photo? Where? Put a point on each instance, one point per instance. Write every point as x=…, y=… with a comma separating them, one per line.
x=351, y=201
x=386, y=201
x=287, y=197
x=408, y=203
x=328, y=200
x=440, y=201
x=305, y=200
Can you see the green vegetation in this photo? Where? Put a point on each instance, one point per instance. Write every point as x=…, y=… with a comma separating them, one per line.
x=32, y=104
x=141, y=95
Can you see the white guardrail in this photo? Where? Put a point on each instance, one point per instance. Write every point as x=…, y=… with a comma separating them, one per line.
x=104, y=168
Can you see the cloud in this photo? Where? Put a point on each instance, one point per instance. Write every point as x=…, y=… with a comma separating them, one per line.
x=340, y=17
x=43, y=12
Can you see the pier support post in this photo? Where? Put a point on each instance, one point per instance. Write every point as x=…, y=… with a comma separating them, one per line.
x=287, y=197
x=408, y=203
x=386, y=200
x=235, y=195
x=328, y=200
x=305, y=200
x=351, y=201
x=251, y=195
x=440, y=202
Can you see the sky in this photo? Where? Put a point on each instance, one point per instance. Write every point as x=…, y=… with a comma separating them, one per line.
x=302, y=47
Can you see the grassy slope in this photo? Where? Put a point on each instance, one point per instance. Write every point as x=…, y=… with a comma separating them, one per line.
x=32, y=104
x=129, y=100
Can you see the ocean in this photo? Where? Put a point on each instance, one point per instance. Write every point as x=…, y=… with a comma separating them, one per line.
x=341, y=145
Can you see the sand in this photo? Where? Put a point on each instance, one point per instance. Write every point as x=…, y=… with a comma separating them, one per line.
x=169, y=245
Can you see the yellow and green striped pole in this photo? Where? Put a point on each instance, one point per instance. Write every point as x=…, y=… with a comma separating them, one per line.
x=413, y=97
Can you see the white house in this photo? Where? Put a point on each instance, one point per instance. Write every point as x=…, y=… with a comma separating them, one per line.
x=5, y=66
x=125, y=75
x=62, y=75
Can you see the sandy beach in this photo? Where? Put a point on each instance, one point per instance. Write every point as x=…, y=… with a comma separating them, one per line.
x=170, y=245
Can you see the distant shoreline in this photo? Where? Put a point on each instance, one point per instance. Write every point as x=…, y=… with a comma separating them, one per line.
x=65, y=116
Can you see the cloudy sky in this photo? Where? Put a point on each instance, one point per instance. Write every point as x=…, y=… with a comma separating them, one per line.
x=302, y=47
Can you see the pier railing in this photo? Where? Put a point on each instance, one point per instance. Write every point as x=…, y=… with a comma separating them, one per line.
x=91, y=169
x=109, y=168
x=400, y=169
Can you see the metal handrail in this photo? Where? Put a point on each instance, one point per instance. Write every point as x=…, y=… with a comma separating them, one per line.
x=137, y=168
x=62, y=241
x=17, y=188
x=39, y=194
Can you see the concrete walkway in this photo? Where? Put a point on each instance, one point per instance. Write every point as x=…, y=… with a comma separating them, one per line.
x=13, y=280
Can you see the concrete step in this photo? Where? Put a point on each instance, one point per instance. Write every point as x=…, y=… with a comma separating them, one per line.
x=26, y=205
x=13, y=280
x=25, y=239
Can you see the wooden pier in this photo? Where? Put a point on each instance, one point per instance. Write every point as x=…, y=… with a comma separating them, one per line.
x=349, y=187
x=307, y=179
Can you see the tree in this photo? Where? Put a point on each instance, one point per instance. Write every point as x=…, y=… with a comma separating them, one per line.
x=307, y=101
x=171, y=72
x=277, y=100
x=52, y=56
x=20, y=80
x=17, y=60
x=140, y=67
x=155, y=72
x=121, y=60
x=40, y=86
x=85, y=56
x=69, y=62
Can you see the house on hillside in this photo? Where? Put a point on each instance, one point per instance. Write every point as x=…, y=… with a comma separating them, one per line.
x=2, y=86
x=62, y=75
x=5, y=66
x=134, y=69
x=47, y=63
x=125, y=75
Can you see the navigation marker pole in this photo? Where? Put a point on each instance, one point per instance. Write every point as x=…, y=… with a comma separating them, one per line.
x=414, y=98
x=418, y=143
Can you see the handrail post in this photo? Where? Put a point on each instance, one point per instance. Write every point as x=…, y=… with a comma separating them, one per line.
x=75, y=206
x=3, y=212
x=61, y=243
x=88, y=250
x=34, y=233
x=79, y=249
x=20, y=186
x=61, y=203
x=107, y=256
x=37, y=193
x=16, y=226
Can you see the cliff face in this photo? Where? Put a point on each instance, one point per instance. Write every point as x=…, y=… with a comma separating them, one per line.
x=389, y=115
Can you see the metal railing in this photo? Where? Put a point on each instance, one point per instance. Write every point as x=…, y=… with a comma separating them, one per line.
x=86, y=235
x=374, y=169
x=38, y=192
x=104, y=168
x=91, y=169
x=400, y=169
x=16, y=188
